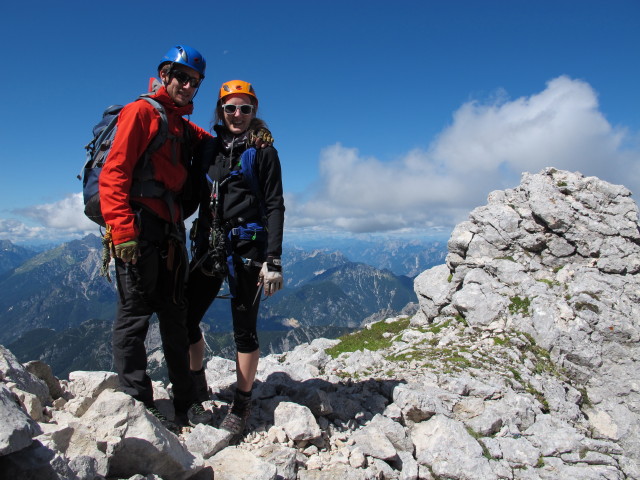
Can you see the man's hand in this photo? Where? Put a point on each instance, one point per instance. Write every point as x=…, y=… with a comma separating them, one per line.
x=127, y=251
x=271, y=277
x=260, y=138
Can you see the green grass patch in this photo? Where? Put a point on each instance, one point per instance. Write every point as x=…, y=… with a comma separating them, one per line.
x=404, y=357
x=587, y=306
x=448, y=359
x=477, y=436
x=519, y=305
x=436, y=329
x=516, y=374
x=539, y=396
x=529, y=337
x=369, y=338
x=542, y=361
x=584, y=398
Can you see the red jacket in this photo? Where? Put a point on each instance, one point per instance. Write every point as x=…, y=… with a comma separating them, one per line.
x=138, y=124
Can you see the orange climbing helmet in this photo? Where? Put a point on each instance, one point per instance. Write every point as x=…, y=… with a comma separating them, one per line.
x=236, y=86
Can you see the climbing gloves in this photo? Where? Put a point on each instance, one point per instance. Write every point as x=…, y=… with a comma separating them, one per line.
x=261, y=138
x=271, y=276
x=127, y=251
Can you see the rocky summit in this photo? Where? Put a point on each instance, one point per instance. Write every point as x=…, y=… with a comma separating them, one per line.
x=521, y=363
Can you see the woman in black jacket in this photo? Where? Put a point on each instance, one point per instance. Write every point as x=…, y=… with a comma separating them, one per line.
x=238, y=236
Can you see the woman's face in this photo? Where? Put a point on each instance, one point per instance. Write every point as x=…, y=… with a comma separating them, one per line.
x=237, y=122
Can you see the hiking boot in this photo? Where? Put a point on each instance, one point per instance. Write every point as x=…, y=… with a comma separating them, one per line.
x=200, y=382
x=235, y=423
x=166, y=423
x=236, y=419
x=197, y=414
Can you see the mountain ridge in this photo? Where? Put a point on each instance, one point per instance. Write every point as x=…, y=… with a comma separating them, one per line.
x=61, y=289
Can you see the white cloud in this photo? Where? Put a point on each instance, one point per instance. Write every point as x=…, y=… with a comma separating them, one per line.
x=54, y=220
x=561, y=126
x=16, y=231
x=487, y=147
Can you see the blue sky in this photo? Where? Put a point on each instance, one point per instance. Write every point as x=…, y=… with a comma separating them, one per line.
x=391, y=118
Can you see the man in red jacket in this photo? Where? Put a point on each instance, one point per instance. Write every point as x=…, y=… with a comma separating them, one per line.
x=147, y=231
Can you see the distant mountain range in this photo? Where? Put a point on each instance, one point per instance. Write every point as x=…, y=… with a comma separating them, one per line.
x=55, y=306
x=12, y=256
x=56, y=289
x=83, y=347
x=409, y=258
x=343, y=295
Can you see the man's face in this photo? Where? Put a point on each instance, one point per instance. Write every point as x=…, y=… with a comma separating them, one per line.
x=181, y=84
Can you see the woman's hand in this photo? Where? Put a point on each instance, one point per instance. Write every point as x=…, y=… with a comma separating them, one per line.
x=260, y=138
x=271, y=277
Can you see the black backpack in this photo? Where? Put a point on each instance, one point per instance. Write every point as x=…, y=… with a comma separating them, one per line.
x=98, y=149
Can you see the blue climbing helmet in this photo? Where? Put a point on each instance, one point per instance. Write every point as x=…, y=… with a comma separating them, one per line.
x=187, y=56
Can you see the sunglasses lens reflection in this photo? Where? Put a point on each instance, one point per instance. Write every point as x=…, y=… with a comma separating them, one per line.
x=231, y=109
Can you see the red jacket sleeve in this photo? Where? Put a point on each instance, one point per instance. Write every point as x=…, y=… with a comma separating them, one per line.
x=138, y=124
x=199, y=134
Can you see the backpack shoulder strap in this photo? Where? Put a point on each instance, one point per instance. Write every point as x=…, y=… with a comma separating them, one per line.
x=248, y=168
x=187, y=144
x=163, y=133
x=144, y=169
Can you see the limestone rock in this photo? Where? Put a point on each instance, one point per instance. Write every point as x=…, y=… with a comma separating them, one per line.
x=206, y=440
x=91, y=384
x=43, y=371
x=447, y=448
x=235, y=464
x=297, y=421
x=16, y=429
x=13, y=372
x=128, y=432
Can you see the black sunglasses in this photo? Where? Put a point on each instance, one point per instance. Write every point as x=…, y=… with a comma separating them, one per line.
x=245, y=109
x=185, y=78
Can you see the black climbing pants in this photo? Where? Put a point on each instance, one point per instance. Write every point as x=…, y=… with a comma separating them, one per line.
x=202, y=291
x=155, y=284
